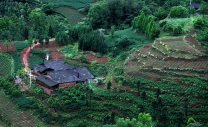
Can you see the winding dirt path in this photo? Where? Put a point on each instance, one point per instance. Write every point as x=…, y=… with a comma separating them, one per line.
x=25, y=54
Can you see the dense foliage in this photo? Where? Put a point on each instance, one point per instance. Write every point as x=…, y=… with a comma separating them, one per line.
x=147, y=25
x=105, y=14
x=68, y=99
x=201, y=25
x=92, y=41
x=178, y=12
x=23, y=22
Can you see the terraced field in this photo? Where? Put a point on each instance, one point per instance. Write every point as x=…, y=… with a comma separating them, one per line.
x=179, y=68
x=173, y=57
x=14, y=116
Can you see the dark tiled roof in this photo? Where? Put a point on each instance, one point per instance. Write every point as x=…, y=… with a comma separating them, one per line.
x=84, y=74
x=62, y=73
x=71, y=75
x=63, y=76
x=46, y=80
x=39, y=67
x=195, y=5
x=57, y=65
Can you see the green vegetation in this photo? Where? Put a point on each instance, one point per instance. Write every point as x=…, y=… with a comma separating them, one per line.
x=70, y=50
x=72, y=15
x=176, y=26
x=20, y=45
x=156, y=74
x=17, y=61
x=34, y=59
x=71, y=3
x=7, y=65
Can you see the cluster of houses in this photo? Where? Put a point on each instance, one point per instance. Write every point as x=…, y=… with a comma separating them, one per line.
x=55, y=74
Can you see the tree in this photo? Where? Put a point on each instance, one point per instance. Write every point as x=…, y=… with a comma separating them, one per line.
x=91, y=92
x=186, y=106
x=160, y=13
x=144, y=120
x=108, y=85
x=203, y=8
x=39, y=23
x=158, y=92
x=113, y=28
x=143, y=96
x=112, y=117
x=138, y=87
x=62, y=38
x=26, y=33
x=92, y=41
x=50, y=32
x=98, y=15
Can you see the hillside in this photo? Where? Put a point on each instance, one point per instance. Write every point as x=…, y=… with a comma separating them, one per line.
x=149, y=60
x=167, y=58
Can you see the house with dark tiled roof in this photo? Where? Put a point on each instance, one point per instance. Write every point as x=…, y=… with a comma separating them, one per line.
x=55, y=74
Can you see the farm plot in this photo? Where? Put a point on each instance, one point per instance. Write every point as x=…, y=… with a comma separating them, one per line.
x=20, y=45
x=77, y=4
x=15, y=116
x=180, y=46
x=171, y=49
x=34, y=59
x=17, y=60
x=7, y=64
x=72, y=15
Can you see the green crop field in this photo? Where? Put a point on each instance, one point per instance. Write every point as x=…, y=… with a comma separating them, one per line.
x=138, y=39
x=77, y=4
x=34, y=59
x=17, y=60
x=19, y=45
x=72, y=15
x=7, y=64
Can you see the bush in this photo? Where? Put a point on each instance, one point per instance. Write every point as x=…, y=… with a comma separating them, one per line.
x=178, y=12
x=199, y=23
x=202, y=35
x=123, y=42
x=160, y=13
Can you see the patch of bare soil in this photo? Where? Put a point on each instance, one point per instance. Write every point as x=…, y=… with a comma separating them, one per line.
x=52, y=47
x=11, y=47
x=91, y=56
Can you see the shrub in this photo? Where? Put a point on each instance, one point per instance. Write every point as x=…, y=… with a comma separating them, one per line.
x=178, y=12
x=162, y=23
x=202, y=35
x=199, y=23
x=177, y=30
x=160, y=13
